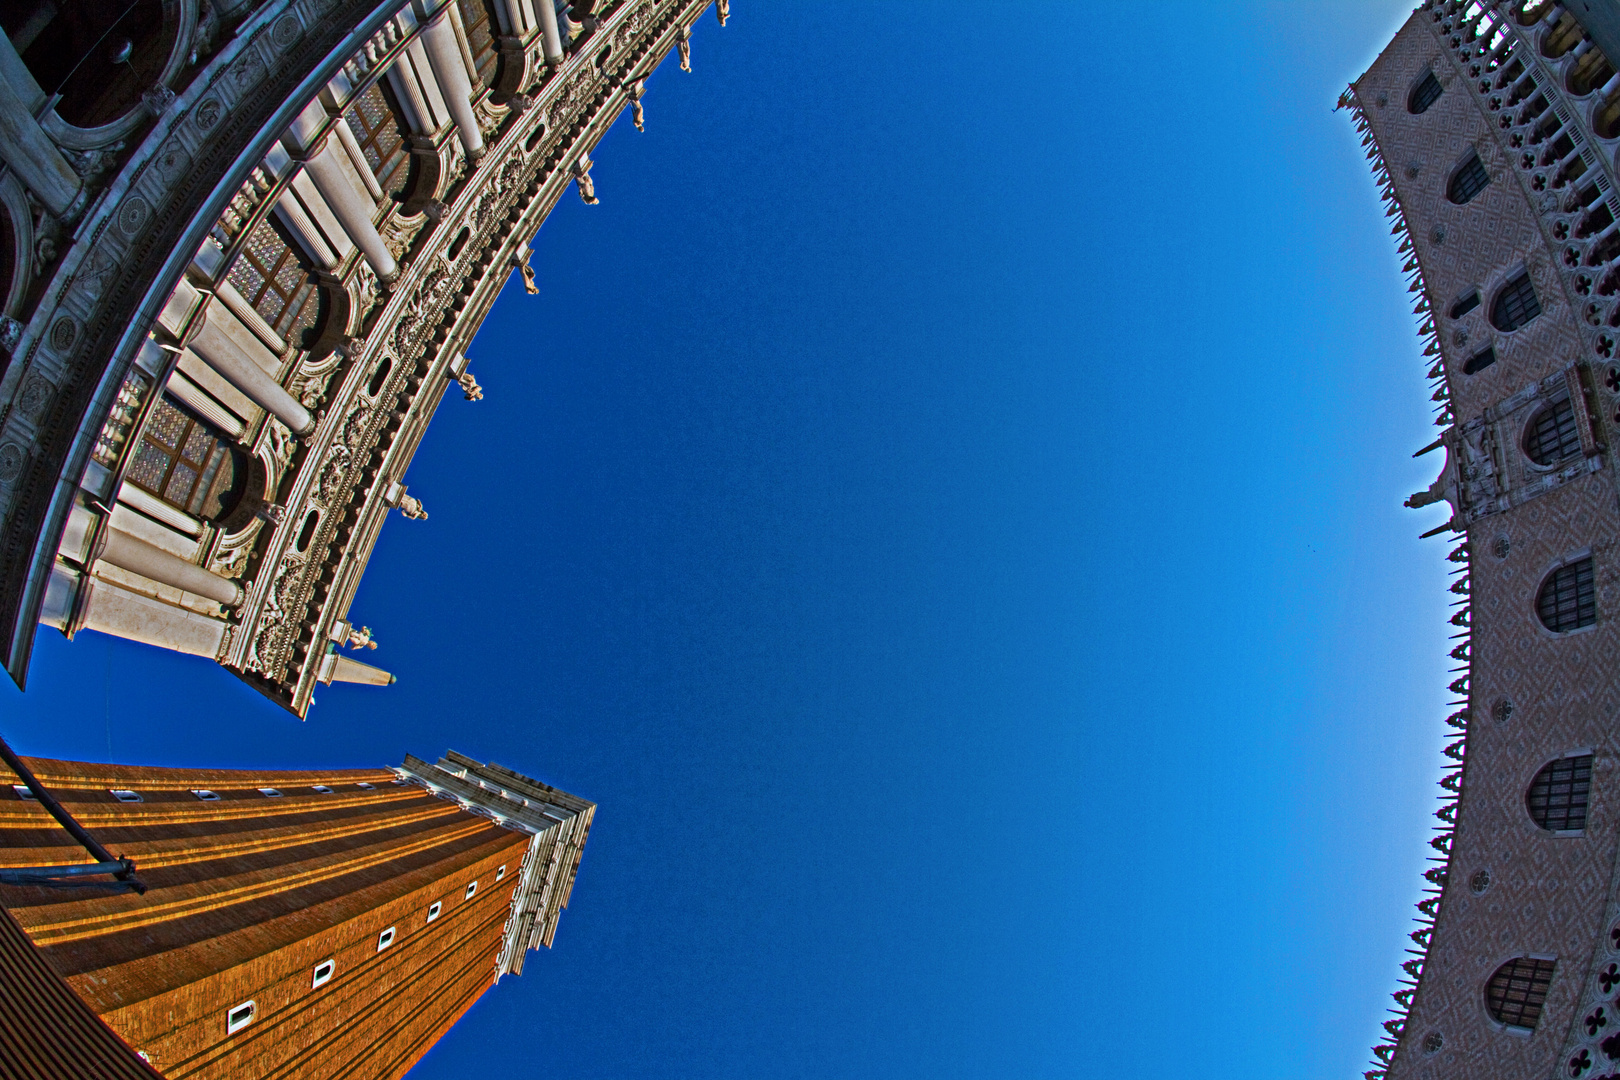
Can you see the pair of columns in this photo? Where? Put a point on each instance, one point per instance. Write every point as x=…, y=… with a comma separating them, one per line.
x=222, y=341
x=340, y=181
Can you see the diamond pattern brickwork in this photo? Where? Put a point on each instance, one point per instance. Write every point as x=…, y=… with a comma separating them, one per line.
x=1512, y=889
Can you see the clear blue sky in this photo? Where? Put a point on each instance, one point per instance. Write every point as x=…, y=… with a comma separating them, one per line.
x=944, y=505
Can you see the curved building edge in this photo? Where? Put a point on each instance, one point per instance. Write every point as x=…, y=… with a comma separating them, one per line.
x=215, y=386
x=1493, y=130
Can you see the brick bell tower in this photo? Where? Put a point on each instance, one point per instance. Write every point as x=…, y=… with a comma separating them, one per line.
x=292, y=924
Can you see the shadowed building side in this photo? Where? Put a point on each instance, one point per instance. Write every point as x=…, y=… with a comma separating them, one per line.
x=296, y=924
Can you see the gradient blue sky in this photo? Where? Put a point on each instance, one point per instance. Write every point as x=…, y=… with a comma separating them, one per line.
x=944, y=505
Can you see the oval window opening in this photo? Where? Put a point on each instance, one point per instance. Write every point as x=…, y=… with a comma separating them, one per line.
x=535, y=136
x=380, y=376
x=307, y=533
x=457, y=244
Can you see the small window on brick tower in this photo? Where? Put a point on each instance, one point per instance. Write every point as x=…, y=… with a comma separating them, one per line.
x=1558, y=795
x=363, y=786
x=23, y=792
x=320, y=789
x=472, y=887
x=1515, y=305
x=1568, y=598
x=434, y=909
x=500, y=872
x=1469, y=180
x=1517, y=991
x=385, y=939
x=205, y=795
x=1552, y=434
x=239, y=1017
x=1424, y=94
x=270, y=792
x=323, y=973
x=125, y=795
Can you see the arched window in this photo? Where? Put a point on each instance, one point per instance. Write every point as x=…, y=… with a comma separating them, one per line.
x=1552, y=435
x=1424, y=94
x=1558, y=795
x=183, y=461
x=99, y=57
x=383, y=138
x=1469, y=180
x=1568, y=598
x=479, y=22
x=1517, y=991
x=1515, y=305
x=271, y=274
x=1479, y=361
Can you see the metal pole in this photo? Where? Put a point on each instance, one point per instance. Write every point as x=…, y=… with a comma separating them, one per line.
x=63, y=818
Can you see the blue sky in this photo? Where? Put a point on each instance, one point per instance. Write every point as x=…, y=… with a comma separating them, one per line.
x=944, y=506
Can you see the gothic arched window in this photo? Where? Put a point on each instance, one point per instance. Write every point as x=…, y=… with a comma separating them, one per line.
x=1517, y=991
x=1469, y=180
x=1424, y=94
x=270, y=273
x=185, y=462
x=1515, y=305
x=1568, y=598
x=1558, y=795
x=383, y=138
x=1552, y=435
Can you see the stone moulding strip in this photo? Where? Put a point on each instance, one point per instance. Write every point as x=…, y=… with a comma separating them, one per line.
x=140, y=206
x=1453, y=781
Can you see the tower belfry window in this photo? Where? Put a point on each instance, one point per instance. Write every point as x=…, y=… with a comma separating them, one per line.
x=1424, y=94
x=1558, y=795
x=1515, y=305
x=1470, y=179
x=1553, y=434
x=1517, y=991
x=1568, y=598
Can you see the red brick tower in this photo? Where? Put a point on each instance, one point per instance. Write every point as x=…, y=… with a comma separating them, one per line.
x=295, y=924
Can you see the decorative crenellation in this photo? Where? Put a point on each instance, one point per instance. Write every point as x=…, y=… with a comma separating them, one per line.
x=1549, y=93
x=1451, y=783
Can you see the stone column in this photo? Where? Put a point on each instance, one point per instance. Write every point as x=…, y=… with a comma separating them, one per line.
x=444, y=57
x=138, y=557
x=352, y=209
x=129, y=615
x=32, y=155
x=548, y=29
x=223, y=352
x=309, y=237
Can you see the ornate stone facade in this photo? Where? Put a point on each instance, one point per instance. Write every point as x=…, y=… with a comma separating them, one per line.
x=226, y=342
x=1492, y=130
